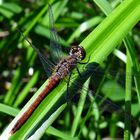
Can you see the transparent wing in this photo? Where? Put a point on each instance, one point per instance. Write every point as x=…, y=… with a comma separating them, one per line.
x=54, y=38
x=48, y=66
x=104, y=103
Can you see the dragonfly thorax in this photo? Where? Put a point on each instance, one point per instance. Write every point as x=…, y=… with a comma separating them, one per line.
x=78, y=52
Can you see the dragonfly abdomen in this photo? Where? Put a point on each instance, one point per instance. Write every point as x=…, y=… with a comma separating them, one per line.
x=53, y=82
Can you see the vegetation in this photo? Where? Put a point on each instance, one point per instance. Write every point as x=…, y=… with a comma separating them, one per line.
x=102, y=103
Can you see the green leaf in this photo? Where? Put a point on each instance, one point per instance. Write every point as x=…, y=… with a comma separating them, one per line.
x=9, y=9
x=8, y=110
x=113, y=90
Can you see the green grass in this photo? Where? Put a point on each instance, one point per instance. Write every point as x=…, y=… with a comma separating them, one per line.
x=87, y=23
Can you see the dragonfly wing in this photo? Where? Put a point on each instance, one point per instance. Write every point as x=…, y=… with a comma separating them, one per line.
x=48, y=66
x=54, y=38
x=105, y=105
x=77, y=84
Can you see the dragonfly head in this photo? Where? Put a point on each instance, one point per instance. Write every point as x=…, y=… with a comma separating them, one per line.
x=78, y=51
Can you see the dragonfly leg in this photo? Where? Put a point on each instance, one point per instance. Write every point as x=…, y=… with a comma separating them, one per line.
x=68, y=94
x=78, y=71
x=84, y=62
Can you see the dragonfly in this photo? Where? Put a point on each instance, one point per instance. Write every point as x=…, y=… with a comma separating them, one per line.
x=61, y=70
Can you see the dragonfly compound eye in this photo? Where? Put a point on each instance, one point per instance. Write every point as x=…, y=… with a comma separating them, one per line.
x=78, y=51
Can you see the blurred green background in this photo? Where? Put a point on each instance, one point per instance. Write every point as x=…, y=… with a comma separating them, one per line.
x=21, y=72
